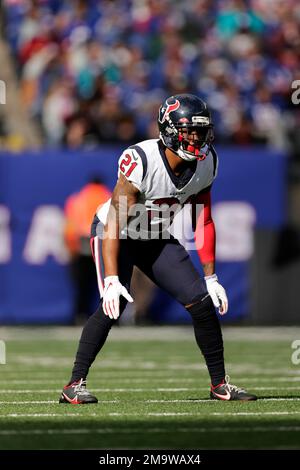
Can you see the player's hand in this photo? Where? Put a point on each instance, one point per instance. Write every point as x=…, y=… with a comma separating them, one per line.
x=217, y=293
x=112, y=291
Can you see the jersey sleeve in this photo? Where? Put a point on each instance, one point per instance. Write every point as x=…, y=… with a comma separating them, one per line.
x=132, y=166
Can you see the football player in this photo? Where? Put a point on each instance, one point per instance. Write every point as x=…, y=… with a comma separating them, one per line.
x=131, y=228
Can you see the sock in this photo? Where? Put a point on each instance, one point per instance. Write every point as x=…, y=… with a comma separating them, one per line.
x=216, y=386
x=208, y=336
x=92, y=339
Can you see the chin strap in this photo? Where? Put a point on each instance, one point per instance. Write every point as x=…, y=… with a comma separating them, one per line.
x=203, y=152
x=186, y=156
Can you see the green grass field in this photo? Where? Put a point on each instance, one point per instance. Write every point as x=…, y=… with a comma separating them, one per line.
x=153, y=391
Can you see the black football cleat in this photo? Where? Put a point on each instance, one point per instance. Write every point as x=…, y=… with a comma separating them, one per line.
x=77, y=394
x=226, y=391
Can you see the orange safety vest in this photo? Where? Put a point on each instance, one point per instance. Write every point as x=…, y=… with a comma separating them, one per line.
x=80, y=209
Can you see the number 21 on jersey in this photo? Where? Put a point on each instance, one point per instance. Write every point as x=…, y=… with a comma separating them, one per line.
x=127, y=165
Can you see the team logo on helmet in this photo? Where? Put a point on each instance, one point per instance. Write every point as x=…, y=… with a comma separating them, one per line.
x=164, y=112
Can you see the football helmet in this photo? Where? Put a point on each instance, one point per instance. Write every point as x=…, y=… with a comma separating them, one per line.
x=185, y=126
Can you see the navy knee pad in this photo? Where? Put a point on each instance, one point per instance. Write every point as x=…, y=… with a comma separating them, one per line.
x=201, y=306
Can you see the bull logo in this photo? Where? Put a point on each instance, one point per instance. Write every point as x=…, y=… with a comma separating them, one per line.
x=164, y=112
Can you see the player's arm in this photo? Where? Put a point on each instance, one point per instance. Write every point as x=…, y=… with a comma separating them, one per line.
x=131, y=173
x=124, y=196
x=205, y=230
x=205, y=236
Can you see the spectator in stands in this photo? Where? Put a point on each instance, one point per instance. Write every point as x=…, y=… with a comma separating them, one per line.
x=114, y=59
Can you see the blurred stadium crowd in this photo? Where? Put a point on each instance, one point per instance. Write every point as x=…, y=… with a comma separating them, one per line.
x=96, y=71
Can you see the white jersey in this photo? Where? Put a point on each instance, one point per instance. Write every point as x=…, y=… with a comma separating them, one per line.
x=161, y=192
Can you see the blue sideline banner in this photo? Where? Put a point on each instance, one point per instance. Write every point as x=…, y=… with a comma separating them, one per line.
x=34, y=280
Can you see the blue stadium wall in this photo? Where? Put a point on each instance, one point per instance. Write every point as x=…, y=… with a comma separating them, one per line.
x=35, y=287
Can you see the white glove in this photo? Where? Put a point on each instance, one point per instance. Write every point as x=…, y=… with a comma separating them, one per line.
x=112, y=291
x=217, y=293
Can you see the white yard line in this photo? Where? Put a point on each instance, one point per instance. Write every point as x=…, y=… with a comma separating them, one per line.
x=157, y=430
x=158, y=379
x=149, y=414
x=187, y=413
x=189, y=401
x=44, y=415
x=141, y=390
x=46, y=402
x=208, y=400
x=108, y=390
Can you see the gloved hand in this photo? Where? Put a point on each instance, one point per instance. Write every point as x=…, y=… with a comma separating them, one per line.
x=112, y=291
x=217, y=293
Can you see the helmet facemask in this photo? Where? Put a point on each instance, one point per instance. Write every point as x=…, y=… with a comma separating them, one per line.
x=194, y=142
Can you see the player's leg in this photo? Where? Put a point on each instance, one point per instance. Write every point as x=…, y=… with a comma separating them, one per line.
x=171, y=268
x=96, y=329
